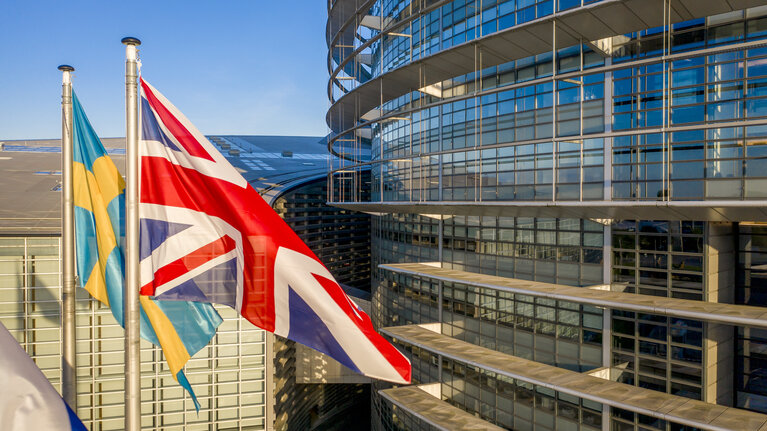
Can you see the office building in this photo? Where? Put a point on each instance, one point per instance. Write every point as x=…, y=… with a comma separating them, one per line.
x=568, y=199
x=239, y=379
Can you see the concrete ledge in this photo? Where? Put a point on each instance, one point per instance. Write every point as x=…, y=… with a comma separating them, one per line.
x=741, y=315
x=660, y=405
x=434, y=411
x=708, y=210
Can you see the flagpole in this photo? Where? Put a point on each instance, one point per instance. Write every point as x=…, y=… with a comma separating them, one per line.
x=132, y=328
x=68, y=334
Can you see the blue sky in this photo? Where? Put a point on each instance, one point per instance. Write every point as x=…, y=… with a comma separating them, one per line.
x=254, y=67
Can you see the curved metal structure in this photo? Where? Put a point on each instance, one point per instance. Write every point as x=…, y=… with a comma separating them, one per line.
x=376, y=94
x=616, y=143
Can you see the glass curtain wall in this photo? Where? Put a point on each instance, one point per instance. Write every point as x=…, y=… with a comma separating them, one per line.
x=228, y=376
x=670, y=113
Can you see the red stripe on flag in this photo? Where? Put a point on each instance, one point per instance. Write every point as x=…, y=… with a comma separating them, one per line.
x=189, y=262
x=182, y=135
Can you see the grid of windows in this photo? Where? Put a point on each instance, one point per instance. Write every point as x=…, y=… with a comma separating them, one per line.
x=658, y=352
x=624, y=420
x=751, y=289
x=459, y=124
x=752, y=264
x=500, y=400
x=751, y=372
x=426, y=34
x=340, y=238
x=521, y=171
x=403, y=300
x=430, y=30
x=426, y=130
x=405, y=238
x=558, y=333
x=29, y=299
x=650, y=115
x=227, y=376
x=396, y=134
x=564, y=251
x=397, y=299
x=515, y=404
x=710, y=163
x=713, y=163
x=659, y=258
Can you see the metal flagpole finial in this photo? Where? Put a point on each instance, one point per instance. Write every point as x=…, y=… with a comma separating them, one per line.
x=66, y=68
x=131, y=41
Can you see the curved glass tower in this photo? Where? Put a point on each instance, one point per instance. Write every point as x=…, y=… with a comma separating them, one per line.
x=569, y=206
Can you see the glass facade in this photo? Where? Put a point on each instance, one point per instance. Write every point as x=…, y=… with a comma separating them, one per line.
x=514, y=404
x=228, y=376
x=429, y=146
x=484, y=118
x=236, y=377
x=341, y=240
x=751, y=359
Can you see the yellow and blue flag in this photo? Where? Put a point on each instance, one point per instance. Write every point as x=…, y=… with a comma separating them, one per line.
x=180, y=328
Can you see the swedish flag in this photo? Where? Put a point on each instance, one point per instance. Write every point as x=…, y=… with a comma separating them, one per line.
x=180, y=328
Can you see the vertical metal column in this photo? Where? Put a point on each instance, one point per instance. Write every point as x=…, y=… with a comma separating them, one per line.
x=269, y=414
x=607, y=118
x=667, y=34
x=439, y=156
x=607, y=194
x=554, y=143
x=477, y=122
x=440, y=225
x=132, y=328
x=666, y=151
x=607, y=313
x=68, y=333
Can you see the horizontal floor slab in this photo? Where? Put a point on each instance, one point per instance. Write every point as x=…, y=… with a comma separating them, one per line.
x=644, y=401
x=741, y=315
x=434, y=411
x=726, y=211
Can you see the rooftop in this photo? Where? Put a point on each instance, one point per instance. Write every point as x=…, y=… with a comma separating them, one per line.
x=30, y=187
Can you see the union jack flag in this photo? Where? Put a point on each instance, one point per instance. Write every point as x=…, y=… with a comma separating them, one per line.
x=208, y=236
